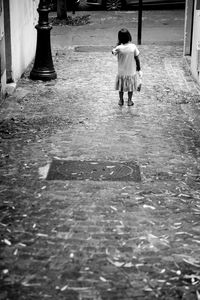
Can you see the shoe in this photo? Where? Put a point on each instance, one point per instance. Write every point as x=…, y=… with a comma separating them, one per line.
x=130, y=103
x=121, y=102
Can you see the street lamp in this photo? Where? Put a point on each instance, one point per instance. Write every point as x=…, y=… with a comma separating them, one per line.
x=140, y=23
x=43, y=68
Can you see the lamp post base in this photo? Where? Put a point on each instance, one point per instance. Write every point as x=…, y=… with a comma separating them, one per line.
x=43, y=68
x=44, y=75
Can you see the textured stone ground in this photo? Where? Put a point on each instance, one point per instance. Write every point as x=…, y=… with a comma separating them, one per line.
x=96, y=240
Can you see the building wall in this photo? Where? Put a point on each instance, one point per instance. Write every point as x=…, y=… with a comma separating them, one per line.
x=23, y=18
x=17, y=38
x=189, y=8
x=2, y=52
x=195, y=56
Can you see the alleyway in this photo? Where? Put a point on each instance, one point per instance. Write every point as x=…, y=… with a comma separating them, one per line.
x=102, y=240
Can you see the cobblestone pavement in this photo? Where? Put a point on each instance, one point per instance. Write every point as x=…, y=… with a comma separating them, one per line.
x=100, y=240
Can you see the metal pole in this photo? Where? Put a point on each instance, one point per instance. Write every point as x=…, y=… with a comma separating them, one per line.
x=140, y=23
x=43, y=68
x=73, y=7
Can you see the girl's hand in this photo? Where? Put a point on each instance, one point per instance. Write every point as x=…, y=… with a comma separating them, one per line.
x=139, y=87
x=114, y=51
x=140, y=74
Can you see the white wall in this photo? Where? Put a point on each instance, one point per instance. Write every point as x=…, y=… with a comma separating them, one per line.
x=2, y=52
x=195, y=58
x=188, y=27
x=23, y=18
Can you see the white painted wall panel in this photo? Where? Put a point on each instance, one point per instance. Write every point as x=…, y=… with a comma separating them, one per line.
x=195, y=58
x=23, y=18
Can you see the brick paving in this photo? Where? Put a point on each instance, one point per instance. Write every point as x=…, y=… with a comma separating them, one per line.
x=106, y=240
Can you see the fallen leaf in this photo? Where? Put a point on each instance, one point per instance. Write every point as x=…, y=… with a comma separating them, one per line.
x=7, y=242
x=15, y=252
x=147, y=289
x=139, y=265
x=102, y=279
x=28, y=278
x=115, y=263
x=183, y=232
x=22, y=245
x=196, y=241
x=128, y=265
x=184, y=195
x=64, y=288
x=43, y=188
x=31, y=284
x=154, y=240
x=42, y=234
x=192, y=261
x=113, y=208
x=149, y=206
x=192, y=276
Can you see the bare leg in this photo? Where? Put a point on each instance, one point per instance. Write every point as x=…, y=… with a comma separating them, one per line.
x=130, y=95
x=121, y=98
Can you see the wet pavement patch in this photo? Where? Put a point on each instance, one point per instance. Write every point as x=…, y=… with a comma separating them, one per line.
x=93, y=170
x=170, y=95
x=97, y=48
x=30, y=127
x=71, y=21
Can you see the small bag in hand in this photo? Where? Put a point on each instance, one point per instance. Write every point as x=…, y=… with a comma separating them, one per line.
x=139, y=80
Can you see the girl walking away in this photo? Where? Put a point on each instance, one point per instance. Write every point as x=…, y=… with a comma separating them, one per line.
x=128, y=65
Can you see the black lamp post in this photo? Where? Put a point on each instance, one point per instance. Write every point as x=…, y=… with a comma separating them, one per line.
x=43, y=68
x=140, y=23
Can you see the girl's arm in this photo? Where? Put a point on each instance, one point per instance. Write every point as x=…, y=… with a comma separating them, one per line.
x=138, y=69
x=137, y=60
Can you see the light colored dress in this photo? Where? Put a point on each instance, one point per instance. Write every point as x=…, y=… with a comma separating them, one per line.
x=126, y=80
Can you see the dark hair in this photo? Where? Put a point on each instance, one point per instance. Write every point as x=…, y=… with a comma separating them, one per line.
x=124, y=36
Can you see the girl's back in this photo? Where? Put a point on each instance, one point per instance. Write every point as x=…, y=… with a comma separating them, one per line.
x=126, y=59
